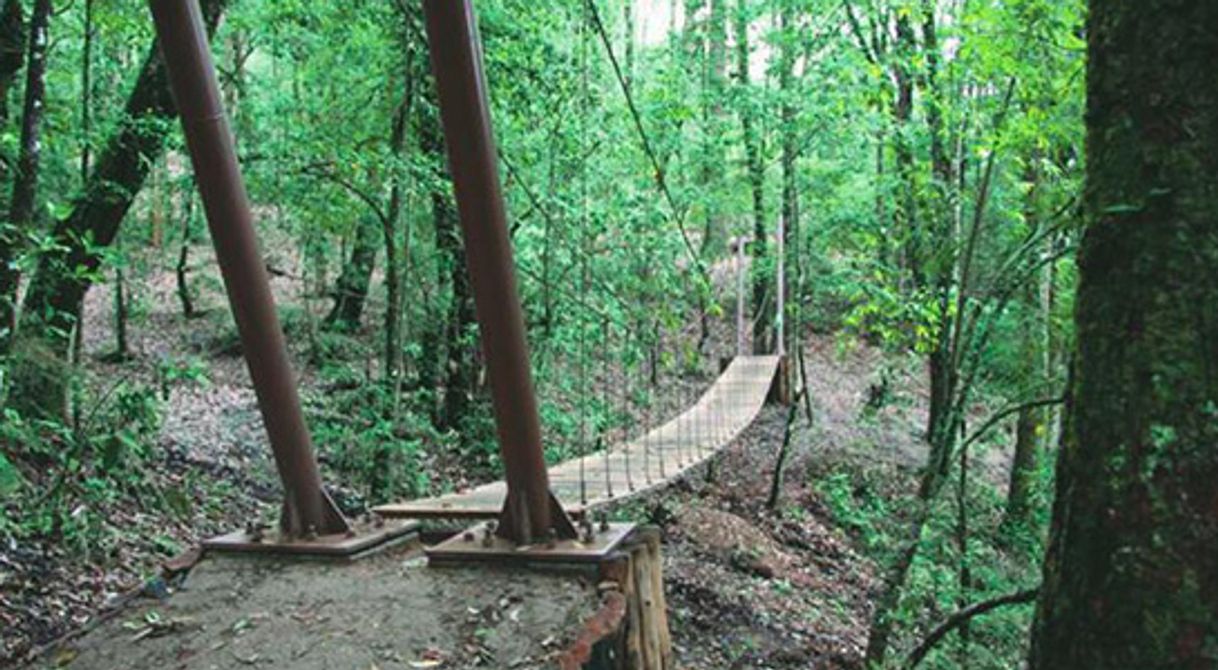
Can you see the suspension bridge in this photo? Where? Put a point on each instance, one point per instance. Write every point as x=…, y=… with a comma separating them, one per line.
x=645, y=463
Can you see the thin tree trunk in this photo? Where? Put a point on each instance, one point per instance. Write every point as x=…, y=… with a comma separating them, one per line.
x=12, y=51
x=883, y=256
x=628, y=39
x=394, y=257
x=756, y=180
x=181, y=269
x=880, y=634
x=121, y=349
x=1028, y=428
x=1030, y=425
x=156, y=202
x=786, y=86
x=905, y=213
x=459, y=362
x=25, y=183
x=86, y=94
x=939, y=234
x=459, y=382
x=780, y=463
x=964, y=572
x=714, y=86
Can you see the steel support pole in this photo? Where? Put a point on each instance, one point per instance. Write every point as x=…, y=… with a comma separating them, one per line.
x=307, y=509
x=530, y=513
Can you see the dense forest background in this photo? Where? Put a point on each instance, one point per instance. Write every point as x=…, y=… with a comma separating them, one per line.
x=925, y=157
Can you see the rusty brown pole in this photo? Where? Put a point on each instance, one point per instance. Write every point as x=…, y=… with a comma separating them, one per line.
x=307, y=509
x=530, y=513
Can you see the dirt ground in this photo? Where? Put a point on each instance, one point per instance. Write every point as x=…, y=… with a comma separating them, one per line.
x=388, y=611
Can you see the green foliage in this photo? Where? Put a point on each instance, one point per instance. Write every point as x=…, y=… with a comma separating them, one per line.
x=873, y=507
x=65, y=480
x=381, y=445
x=10, y=479
x=858, y=508
x=173, y=371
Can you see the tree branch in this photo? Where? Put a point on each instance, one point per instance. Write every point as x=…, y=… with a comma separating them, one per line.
x=964, y=616
x=1014, y=409
x=317, y=170
x=857, y=29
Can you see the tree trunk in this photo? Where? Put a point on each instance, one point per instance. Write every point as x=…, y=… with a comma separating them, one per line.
x=461, y=374
x=459, y=370
x=12, y=51
x=942, y=421
x=756, y=178
x=939, y=234
x=1030, y=425
x=905, y=212
x=786, y=86
x=714, y=87
x=879, y=635
x=122, y=349
x=351, y=289
x=394, y=256
x=181, y=269
x=25, y=182
x=1131, y=572
x=1028, y=432
x=86, y=94
x=53, y=302
x=156, y=206
x=628, y=39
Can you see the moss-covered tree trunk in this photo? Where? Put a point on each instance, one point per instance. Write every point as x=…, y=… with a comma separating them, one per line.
x=1131, y=574
x=351, y=288
x=53, y=302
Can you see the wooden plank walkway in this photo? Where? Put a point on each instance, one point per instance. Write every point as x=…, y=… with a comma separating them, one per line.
x=639, y=465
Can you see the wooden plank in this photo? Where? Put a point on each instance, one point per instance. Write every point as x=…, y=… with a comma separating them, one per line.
x=644, y=592
x=660, y=607
x=642, y=464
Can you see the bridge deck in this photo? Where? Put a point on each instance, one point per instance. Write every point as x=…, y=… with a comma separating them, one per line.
x=639, y=465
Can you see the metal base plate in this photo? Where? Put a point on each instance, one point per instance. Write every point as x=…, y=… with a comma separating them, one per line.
x=473, y=546
x=365, y=537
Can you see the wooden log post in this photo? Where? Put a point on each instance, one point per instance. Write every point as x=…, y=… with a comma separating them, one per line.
x=630, y=631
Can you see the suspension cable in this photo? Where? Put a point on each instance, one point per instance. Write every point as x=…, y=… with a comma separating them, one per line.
x=678, y=213
x=583, y=257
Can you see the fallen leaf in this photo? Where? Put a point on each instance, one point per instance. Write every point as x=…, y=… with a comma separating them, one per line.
x=64, y=657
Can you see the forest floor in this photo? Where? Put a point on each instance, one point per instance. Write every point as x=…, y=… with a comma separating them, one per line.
x=748, y=587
